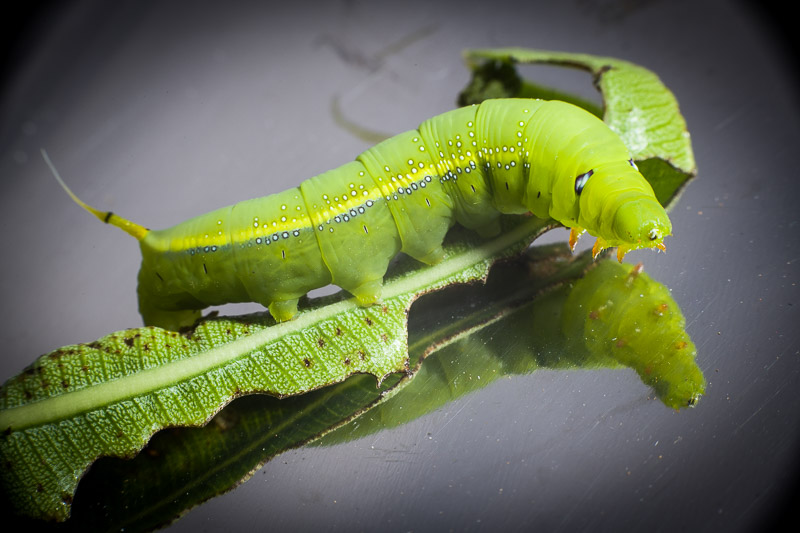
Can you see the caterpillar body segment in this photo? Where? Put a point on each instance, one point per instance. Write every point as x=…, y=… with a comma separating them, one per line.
x=344, y=226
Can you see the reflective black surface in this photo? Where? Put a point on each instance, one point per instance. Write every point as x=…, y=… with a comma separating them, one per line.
x=160, y=112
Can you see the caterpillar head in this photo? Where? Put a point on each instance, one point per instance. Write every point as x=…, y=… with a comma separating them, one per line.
x=640, y=223
x=620, y=209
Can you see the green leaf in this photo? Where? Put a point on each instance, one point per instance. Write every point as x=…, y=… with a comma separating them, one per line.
x=181, y=467
x=108, y=398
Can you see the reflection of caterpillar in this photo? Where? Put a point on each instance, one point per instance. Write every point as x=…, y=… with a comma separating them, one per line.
x=619, y=312
x=469, y=165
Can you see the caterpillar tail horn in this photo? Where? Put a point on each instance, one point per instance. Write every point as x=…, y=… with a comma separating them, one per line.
x=131, y=228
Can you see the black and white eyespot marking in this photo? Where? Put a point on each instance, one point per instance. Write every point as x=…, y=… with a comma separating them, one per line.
x=580, y=181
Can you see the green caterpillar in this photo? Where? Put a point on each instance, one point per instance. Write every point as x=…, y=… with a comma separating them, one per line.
x=469, y=165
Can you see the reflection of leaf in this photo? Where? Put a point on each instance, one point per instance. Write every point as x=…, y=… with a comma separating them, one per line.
x=182, y=467
x=107, y=398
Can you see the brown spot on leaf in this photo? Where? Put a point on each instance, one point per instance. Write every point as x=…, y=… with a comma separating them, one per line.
x=321, y=342
x=346, y=361
x=385, y=338
x=338, y=331
x=307, y=362
x=368, y=321
x=129, y=342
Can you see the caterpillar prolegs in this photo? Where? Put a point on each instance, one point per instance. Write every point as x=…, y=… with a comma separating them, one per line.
x=344, y=226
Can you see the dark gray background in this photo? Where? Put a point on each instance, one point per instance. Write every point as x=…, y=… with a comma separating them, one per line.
x=161, y=112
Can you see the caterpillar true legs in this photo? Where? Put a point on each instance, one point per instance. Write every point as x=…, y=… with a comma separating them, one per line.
x=468, y=165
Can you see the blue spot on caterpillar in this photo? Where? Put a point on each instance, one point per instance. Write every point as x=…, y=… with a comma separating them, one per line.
x=468, y=165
